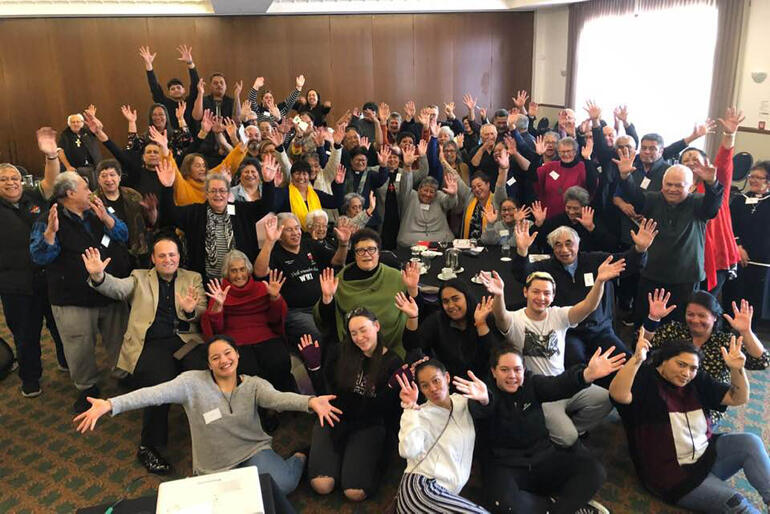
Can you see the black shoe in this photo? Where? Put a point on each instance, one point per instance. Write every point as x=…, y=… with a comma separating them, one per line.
x=153, y=461
x=30, y=389
x=82, y=404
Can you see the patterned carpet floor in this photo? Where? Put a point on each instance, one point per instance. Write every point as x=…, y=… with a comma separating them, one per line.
x=45, y=466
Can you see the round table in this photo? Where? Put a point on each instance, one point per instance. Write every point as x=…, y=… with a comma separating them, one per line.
x=487, y=260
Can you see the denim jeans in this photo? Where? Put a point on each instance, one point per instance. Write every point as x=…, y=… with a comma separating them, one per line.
x=734, y=452
x=285, y=473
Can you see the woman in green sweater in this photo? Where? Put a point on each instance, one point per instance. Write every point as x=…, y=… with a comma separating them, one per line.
x=221, y=407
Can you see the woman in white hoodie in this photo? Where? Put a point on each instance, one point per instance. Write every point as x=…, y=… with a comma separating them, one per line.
x=436, y=439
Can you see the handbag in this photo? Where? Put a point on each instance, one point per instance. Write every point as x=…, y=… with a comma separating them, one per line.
x=391, y=507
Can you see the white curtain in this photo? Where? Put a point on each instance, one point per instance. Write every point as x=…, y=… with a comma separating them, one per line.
x=656, y=57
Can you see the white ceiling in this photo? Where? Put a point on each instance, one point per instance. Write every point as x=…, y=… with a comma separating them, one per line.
x=52, y=8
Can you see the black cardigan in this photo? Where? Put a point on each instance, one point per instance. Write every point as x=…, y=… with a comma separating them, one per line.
x=192, y=220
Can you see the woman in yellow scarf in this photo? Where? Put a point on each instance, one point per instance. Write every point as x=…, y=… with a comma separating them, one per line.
x=300, y=197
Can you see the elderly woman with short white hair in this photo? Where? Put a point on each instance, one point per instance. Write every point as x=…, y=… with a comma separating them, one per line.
x=424, y=216
x=252, y=313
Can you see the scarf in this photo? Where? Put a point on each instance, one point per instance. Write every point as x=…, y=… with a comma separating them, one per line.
x=376, y=293
x=469, y=211
x=298, y=205
x=219, y=240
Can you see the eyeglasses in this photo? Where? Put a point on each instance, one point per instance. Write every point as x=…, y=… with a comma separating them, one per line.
x=371, y=250
x=218, y=191
x=10, y=179
x=751, y=177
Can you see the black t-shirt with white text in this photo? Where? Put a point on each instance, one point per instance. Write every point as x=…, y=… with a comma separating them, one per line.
x=302, y=271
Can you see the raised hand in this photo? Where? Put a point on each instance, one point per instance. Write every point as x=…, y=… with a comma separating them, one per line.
x=741, y=318
x=493, y=282
x=344, y=229
x=587, y=218
x=732, y=120
x=87, y=420
x=520, y=215
x=383, y=155
x=609, y=270
x=232, y=130
x=189, y=300
x=52, y=227
x=449, y=110
x=473, y=389
x=621, y=113
x=523, y=238
x=299, y=82
x=409, y=110
x=706, y=172
x=93, y=123
x=161, y=138
x=128, y=113
x=207, y=121
x=218, y=127
x=424, y=117
x=147, y=56
x=216, y=292
x=587, y=149
x=339, y=177
x=372, y=202
x=410, y=155
x=593, y=110
x=540, y=145
x=503, y=160
x=96, y=205
x=94, y=264
x=520, y=99
x=450, y=184
x=365, y=142
x=734, y=358
x=483, y=113
x=658, y=304
x=645, y=234
x=469, y=101
x=602, y=364
x=272, y=230
x=275, y=281
x=310, y=352
x=237, y=89
x=539, y=213
x=180, y=109
x=410, y=276
x=422, y=147
x=483, y=310
x=323, y=408
x=185, y=54
x=201, y=87
x=643, y=347
x=510, y=145
x=407, y=305
x=701, y=129
x=258, y=83
x=533, y=108
x=46, y=141
x=626, y=162
x=150, y=204
x=269, y=167
x=276, y=137
x=489, y=213
x=408, y=394
x=383, y=113
x=329, y=284
x=166, y=173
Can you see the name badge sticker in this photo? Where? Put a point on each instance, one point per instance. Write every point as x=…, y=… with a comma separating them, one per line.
x=645, y=183
x=231, y=209
x=105, y=241
x=110, y=210
x=504, y=233
x=588, y=279
x=554, y=175
x=211, y=416
x=752, y=201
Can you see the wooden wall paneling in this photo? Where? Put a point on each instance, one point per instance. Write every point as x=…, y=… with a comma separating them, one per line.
x=52, y=67
x=351, y=60
x=394, y=59
x=472, y=58
x=509, y=73
x=309, y=45
x=433, y=59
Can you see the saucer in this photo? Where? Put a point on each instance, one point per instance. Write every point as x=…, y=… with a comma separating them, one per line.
x=505, y=259
x=476, y=280
x=444, y=278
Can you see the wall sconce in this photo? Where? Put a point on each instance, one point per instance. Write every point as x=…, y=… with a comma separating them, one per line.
x=758, y=76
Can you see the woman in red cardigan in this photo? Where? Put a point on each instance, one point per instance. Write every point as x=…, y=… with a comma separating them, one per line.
x=720, y=250
x=552, y=179
x=252, y=313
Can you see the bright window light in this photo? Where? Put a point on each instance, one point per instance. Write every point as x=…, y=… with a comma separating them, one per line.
x=658, y=63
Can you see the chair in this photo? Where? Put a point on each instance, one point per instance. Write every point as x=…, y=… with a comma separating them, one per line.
x=742, y=163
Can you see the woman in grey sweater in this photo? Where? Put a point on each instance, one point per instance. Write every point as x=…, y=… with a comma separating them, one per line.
x=221, y=407
x=424, y=212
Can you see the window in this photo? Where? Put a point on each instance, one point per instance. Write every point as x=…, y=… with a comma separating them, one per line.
x=657, y=62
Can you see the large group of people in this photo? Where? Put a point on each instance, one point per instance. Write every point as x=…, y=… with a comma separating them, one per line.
x=234, y=235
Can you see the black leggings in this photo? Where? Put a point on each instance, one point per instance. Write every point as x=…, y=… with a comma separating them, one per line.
x=570, y=477
x=269, y=360
x=354, y=463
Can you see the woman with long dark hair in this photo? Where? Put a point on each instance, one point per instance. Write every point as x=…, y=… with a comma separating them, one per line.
x=460, y=334
x=357, y=370
x=703, y=328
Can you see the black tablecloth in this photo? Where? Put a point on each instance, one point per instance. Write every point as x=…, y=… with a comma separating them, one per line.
x=488, y=260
